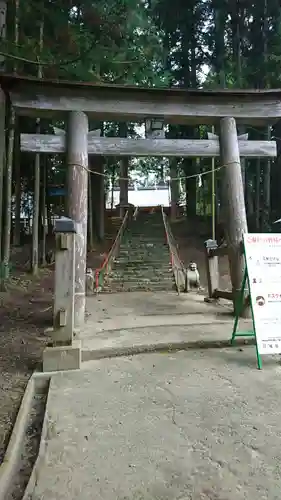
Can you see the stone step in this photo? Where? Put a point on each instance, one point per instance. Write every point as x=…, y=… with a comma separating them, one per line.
x=143, y=236
x=140, y=281
x=165, y=266
x=148, y=256
x=136, y=246
x=138, y=288
x=135, y=260
x=139, y=244
x=135, y=279
x=146, y=230
x=141, y=272
x=143, y=262
x=162, y=251
x=124, y=252
x=143, y=248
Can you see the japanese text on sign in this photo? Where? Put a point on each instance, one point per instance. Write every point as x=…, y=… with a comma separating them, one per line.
x=263, y=259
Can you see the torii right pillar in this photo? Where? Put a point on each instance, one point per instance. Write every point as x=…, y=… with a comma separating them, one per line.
x=77, y=201
x=233, y=204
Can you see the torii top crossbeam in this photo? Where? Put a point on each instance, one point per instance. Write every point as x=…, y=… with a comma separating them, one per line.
x=34, y=97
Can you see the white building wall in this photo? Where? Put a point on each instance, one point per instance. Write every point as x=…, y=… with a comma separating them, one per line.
x=142, y=198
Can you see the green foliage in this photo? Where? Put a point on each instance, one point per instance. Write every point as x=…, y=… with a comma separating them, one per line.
x=106, y=40
x=151, y=43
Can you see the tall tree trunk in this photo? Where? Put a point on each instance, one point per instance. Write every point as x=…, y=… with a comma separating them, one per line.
x=8, y=194
x=161, y=173
x=16, y=29
x=219, y=66
x=9, y=167
x=124, y=173
x=36, y=210
x=174, y=183
x=112, y=187
x=124, y=184
x=3, y=29
x=17, y=176
x=44, y=208
x=97, y=193
x=2, y=162
x=190, y=171
x=249, y=195
x=257, y=193
x=196, y=131
x=266, y=191
x=190, y=80
x=238, y=20
x=49, y=214
x=36, y=202
x=267, y=166
x=16, y=162
x=3, y=15
x=90, y=214
x=102, y=203
x=220, y=19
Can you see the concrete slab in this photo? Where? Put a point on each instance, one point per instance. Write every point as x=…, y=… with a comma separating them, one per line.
x=128, y=323
x=62, y=357
x=159, y=338
x=112, y=311
x=192, y=425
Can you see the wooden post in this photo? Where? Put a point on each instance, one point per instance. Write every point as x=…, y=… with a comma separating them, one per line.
x=212, y=267
x=64, y=289
x=233, y=201
x=77, y=202
x=65, y=352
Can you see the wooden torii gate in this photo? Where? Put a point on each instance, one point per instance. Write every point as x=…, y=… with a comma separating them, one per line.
x=107, y=146
x=78, y=101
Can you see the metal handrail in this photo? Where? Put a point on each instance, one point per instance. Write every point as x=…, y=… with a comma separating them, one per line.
x=179, y=270
x=103, y=270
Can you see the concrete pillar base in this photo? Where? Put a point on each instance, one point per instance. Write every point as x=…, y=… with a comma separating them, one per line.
x=61, y=358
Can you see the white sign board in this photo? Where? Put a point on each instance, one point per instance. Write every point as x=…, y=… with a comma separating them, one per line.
x=263, y=258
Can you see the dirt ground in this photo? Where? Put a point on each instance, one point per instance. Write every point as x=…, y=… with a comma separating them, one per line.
x=25, y=313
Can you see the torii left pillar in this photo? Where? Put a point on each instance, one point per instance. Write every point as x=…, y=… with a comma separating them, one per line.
x=77, y=202
x=233, y=205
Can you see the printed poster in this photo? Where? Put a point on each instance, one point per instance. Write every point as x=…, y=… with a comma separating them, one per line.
x=263, y=258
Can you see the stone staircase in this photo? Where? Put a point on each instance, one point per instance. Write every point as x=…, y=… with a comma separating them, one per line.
x=143, y=262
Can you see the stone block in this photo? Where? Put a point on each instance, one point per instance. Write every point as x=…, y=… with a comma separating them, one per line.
x=60, y=358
